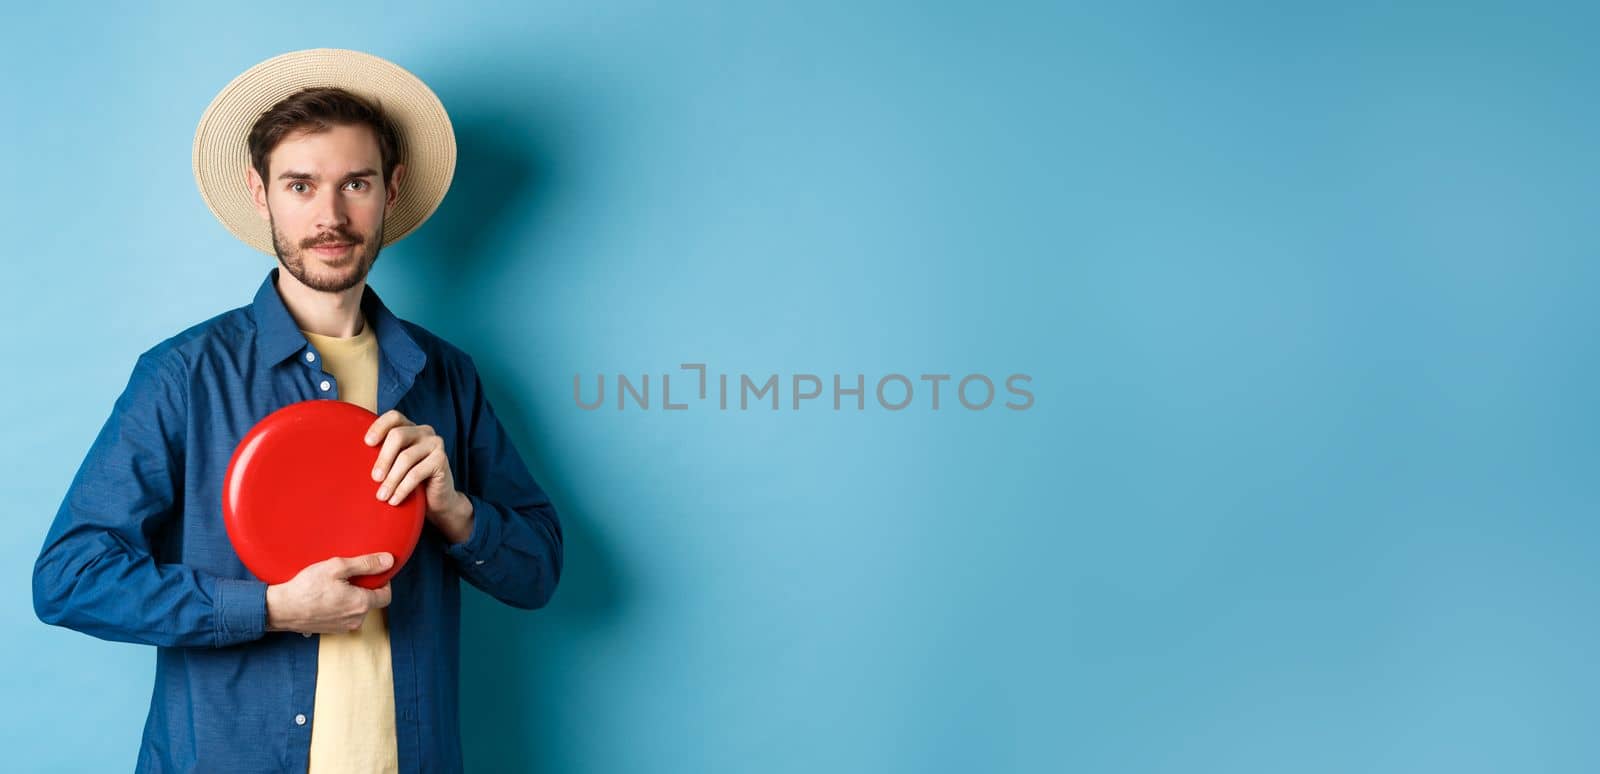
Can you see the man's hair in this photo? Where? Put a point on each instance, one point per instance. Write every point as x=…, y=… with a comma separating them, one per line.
x=318, y=109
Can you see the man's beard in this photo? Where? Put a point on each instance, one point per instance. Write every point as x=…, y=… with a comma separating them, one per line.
x=366, y=255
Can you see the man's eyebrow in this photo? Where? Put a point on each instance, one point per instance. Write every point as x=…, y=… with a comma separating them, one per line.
x=293, y=175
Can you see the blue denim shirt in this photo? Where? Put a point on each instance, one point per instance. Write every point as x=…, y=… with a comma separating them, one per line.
x=138, y=551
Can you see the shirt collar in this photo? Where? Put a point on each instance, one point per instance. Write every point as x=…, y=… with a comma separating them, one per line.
x=278, y=336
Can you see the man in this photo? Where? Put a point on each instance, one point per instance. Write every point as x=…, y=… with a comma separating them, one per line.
x=316, y=674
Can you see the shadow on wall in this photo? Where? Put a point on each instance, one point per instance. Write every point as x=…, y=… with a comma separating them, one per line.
x=516, y=664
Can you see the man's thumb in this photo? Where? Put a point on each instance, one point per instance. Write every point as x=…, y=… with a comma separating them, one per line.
x=367, y=564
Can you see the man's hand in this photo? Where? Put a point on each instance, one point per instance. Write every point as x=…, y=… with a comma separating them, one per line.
x=321, y=600
x=413, y=454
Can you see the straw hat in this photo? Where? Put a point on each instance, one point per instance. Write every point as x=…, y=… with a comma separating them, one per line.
x=222, y=156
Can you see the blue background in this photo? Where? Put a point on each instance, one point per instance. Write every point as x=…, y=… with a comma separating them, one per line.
x=1307, y=295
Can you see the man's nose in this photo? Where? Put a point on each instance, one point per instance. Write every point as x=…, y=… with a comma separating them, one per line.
x=331, y=215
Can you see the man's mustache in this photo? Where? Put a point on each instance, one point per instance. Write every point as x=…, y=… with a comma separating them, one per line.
x=334, y=240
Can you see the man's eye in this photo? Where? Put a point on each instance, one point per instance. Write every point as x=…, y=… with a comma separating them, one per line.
x=358, y=182
x=296, y=187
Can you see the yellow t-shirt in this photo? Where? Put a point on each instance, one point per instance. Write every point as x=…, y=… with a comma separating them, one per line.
x=352, y=720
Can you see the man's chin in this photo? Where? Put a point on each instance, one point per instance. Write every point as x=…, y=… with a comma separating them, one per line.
x=335, y=278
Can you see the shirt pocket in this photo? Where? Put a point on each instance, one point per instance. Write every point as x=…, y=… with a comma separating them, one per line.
x=241, y=705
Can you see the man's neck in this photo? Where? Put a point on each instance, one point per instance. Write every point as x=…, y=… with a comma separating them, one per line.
x=325, y=314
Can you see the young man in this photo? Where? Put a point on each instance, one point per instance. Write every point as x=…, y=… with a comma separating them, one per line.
x=316, y=673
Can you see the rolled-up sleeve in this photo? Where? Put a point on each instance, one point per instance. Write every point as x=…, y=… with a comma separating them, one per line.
x=97, y=572
x=514, y=553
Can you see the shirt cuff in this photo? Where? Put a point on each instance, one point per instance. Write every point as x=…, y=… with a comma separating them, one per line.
x=241, y=610
x=485, y=537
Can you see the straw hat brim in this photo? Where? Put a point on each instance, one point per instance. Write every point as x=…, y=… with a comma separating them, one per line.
x=221, y=155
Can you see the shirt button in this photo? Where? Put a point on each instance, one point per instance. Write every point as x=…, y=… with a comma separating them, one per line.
x=325, y=385
x=310, y=356
x=305, y=634
x=299, y=720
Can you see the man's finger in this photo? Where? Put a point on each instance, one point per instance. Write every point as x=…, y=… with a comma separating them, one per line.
x=405, y=464
x=397, y=441
x=419, y=472
x=381, y=426
x=380, y=597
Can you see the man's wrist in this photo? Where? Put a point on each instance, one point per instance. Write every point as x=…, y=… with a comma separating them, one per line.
x=273, y=602
x=459, y=520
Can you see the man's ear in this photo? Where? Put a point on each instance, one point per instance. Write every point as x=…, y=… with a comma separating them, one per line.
x=392, y=191
x=258, y=192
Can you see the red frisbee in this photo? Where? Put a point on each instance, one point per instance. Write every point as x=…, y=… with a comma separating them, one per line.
x=299, y=490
